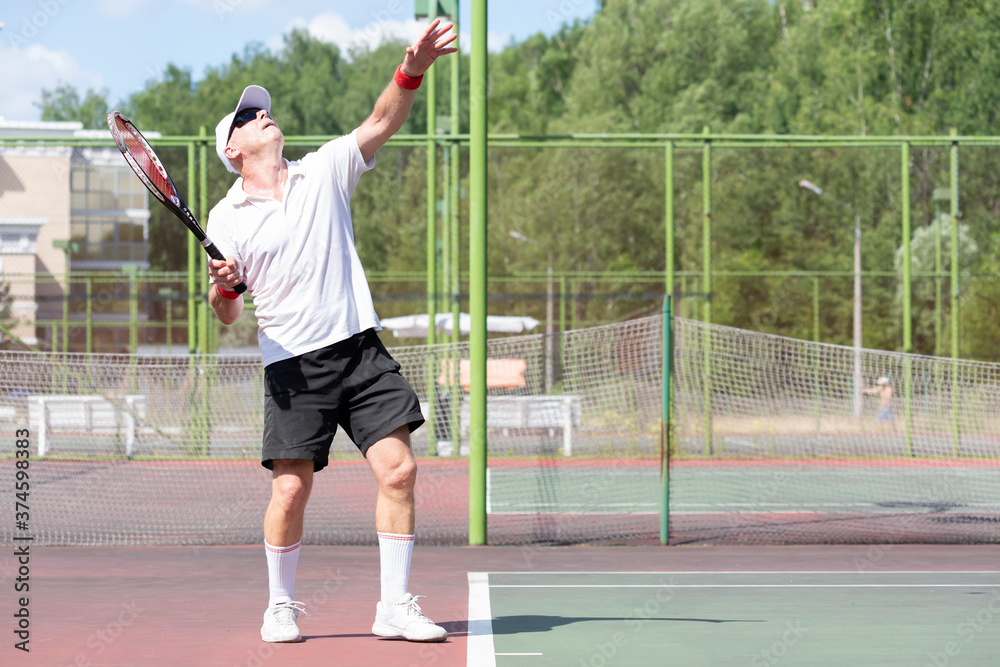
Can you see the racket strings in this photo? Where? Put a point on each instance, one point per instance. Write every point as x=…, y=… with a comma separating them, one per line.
x=142, y=157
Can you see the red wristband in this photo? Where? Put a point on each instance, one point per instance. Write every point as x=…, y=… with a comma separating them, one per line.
x=407, y=82
x=226, y=294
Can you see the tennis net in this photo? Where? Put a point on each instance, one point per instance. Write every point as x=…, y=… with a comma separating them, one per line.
x=767, y=447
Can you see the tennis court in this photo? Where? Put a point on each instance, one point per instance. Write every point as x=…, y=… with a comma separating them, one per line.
x=745, y=617
x=532, y=605
x=147, y=532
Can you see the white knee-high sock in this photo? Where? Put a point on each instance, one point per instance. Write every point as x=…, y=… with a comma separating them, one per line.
x=395, y=552
x=281, y=564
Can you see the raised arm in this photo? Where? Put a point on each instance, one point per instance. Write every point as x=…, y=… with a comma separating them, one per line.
x=393, y=105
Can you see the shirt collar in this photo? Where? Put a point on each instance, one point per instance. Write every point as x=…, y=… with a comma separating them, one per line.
x=237, y=196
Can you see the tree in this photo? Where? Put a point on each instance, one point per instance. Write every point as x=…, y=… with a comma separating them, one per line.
x=64, y=104
x=852, y=67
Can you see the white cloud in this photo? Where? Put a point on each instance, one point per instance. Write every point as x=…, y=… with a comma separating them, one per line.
x=332, y=27
x=226, y=8
x=28, y=70
x=119, y=9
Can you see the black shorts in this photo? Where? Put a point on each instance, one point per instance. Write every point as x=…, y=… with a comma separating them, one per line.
x=354, y=383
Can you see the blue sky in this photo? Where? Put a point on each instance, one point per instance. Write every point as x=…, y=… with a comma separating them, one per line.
x=119, y=45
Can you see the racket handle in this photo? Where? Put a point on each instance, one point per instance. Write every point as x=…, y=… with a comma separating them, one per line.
x=214, y=253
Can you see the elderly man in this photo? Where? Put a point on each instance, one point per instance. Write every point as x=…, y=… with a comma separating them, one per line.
x=286, y=230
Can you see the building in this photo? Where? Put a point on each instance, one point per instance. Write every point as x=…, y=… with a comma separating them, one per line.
x=64, y=210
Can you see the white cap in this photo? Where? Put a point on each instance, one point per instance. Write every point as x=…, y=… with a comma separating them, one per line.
x=253, y=96
x=882, y=380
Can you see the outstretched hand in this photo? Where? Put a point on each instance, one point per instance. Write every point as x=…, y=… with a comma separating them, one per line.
x=423, y=52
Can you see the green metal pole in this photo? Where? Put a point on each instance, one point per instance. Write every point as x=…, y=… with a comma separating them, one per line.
x=706, y=227
x=574, y=290
x=562, y=303
x=815, y=282
x=666, y=418
x=455, y=282
x=477, y=275
x=133, y=309
x=444, y=275
x=170, y=323
x=816, y=370
x=907, y=298
x=203, y=321
x=956, y=435
x=90, y=315
x=668, y=207
x=203, y=436
x=456, y=199
x=706, y=282
x=954, y=213
x=938, y=268
x=192, y=260
x=665, y=424
x=67, y=282
x=430, y=80
x=907, y=275
x=430, y=77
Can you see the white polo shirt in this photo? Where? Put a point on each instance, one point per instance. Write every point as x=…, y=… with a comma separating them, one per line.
x=297, y=256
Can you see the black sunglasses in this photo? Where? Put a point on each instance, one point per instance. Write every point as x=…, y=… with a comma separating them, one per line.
x=244, y=117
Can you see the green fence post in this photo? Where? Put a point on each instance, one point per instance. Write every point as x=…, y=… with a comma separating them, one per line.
x=907, y=300
x=666, y=423
x=90, y=315
x=816, y=372
x=477, y=274
x=192, y=260
x=706, y=283
x=956, y=435
x=430, y=387
x=668, y=217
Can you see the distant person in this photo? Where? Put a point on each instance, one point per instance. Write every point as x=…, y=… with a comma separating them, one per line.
x=884, y=391
x=286, y=230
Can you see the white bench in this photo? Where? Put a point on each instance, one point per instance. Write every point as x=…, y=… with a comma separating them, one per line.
x=90, y=414
x=529, y=412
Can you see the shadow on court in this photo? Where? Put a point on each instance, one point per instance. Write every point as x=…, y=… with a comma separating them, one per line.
x=528, y=623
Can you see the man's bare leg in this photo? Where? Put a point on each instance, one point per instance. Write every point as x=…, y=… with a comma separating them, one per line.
x=291, y=482
x=391, y=459
x=397, y=615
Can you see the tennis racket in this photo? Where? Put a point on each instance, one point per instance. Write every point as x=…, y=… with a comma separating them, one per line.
x=154, y=176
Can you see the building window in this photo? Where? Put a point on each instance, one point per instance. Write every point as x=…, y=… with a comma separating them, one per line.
x=109, y=219
x=17, y=244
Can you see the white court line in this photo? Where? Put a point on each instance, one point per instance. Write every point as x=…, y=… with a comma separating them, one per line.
x=888, y=505
x=480, y=651
x=975, y=585
x=872, y=572
x=519, y=654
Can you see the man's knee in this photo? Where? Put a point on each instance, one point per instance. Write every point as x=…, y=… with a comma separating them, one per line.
x=394, y=466
x=401, y=475
x=291, y=483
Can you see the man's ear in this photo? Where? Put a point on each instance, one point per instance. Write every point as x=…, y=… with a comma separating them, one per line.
x=231, y=152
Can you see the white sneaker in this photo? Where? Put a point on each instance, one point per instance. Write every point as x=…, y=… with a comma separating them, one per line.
x=405, y=619
x=279, y=622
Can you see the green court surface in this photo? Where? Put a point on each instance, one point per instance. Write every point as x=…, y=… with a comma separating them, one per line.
x=523, y=619
x=799, y=487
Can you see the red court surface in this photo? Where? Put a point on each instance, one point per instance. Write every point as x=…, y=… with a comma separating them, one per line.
x=203, y=605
